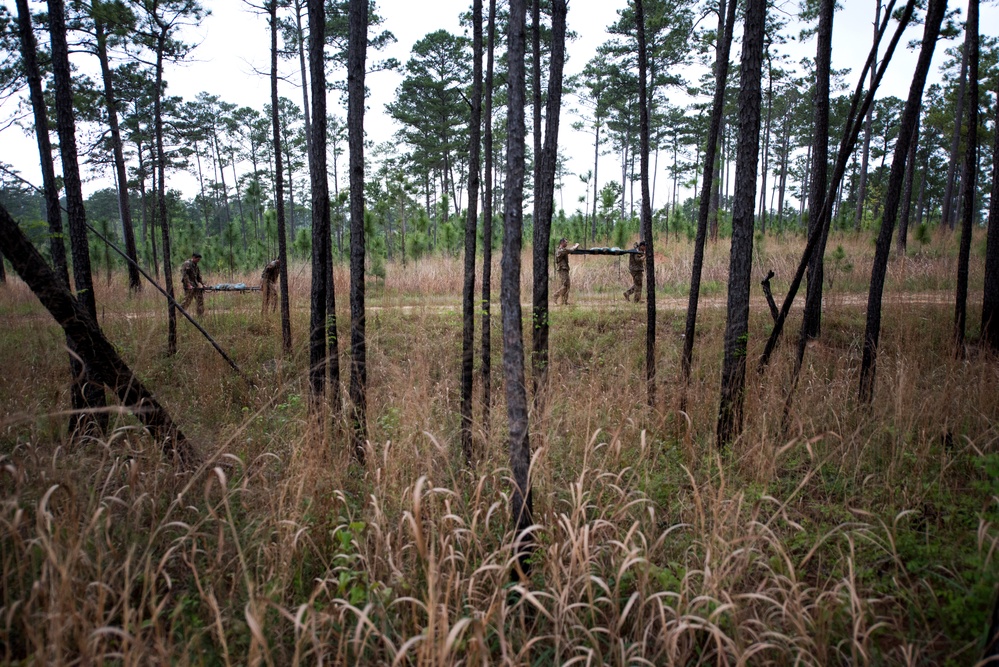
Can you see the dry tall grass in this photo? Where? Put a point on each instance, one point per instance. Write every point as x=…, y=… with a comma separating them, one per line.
x=864, y=535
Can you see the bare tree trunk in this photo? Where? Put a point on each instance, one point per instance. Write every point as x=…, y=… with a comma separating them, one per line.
x=910, y=115
x=487, y=228
x=740, y=263
x=990, y=299
x=321, y=268
x=521, y=502
x=358, y=18
x=910, y=173
x=955, y=146
x=650, y=267
x=301, y=66
x=279, y=184
x=93, y=394
x=969, y=180
x=812, y=319
x=544, y=194
x=124, y=209
x=862, y=191
x=161, y=207
x=766, y=148
x=52, y=208
x=468, y=291
x=726, y=20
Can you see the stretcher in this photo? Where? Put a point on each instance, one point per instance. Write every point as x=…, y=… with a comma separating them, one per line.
x=603, y=251
x=231, y=287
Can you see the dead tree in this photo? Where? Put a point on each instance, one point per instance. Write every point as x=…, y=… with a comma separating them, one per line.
x=98, y=354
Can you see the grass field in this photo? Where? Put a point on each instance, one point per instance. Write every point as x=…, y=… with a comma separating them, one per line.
x=858, y=535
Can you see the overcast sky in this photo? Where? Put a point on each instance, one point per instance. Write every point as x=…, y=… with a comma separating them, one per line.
x=233, y=48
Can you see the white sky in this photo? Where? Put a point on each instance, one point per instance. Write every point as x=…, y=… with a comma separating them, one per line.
x=234, y=45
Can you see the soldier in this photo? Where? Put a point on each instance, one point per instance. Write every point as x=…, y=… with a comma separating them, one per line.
x=267, y=281
x=194, y=288
x=636, y=267
x=562, y=270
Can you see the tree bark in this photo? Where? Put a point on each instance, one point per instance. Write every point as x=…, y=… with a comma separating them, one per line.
x=321, y=270
x=947, y=206
x=740, y=262
x=471, y=220
x=358, y=19
x=487, y=228
x=862, y=190
x=990, y=299
x=301, y=66
x=726, y=21
x=910, y=173
x=811, y=325
x=910, y=115
x=279, y=185
x=97, y=353
x=544, y=194
x=513, y=342
x=93, y=398
x=650, y=267
x=969, y=180
x=124, y=208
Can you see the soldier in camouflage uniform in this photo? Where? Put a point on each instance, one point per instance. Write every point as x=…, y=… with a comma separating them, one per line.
x=194, y=288
x=562, y=271
x=636, y=267
x=267, y=280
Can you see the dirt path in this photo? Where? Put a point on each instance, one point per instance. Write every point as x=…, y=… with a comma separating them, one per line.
x=603, y=302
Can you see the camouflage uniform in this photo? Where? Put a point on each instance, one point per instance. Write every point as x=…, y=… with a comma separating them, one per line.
x=190, y=279
x=267, y=280
x=562, y=274
x=636, y=267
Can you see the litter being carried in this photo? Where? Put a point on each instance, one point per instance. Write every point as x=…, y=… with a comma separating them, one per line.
x=604, y=251
x=233, y=287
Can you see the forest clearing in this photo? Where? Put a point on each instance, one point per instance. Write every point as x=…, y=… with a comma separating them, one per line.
x=860, y=534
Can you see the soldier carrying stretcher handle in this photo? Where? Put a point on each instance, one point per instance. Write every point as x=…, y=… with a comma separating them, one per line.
x=636, y=267
x=194, y=287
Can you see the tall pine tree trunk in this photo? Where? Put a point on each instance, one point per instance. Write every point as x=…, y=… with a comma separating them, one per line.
x=947, y=205
x=513, y=338
x=726, y=21
x=910, y=173
x=990, y=299
x=545, y=203
x=161, y=206
x=910, y=115
x=357, y=44
x=812, y=320
x=321, y=269
x=471, y=220
x=279, y=184
x=53, y=210
x=487, y=228
x=93, y=394
x=124, y=208
x=644, y=103
x=862, y=191
x=970, y=177
x=740, y=263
